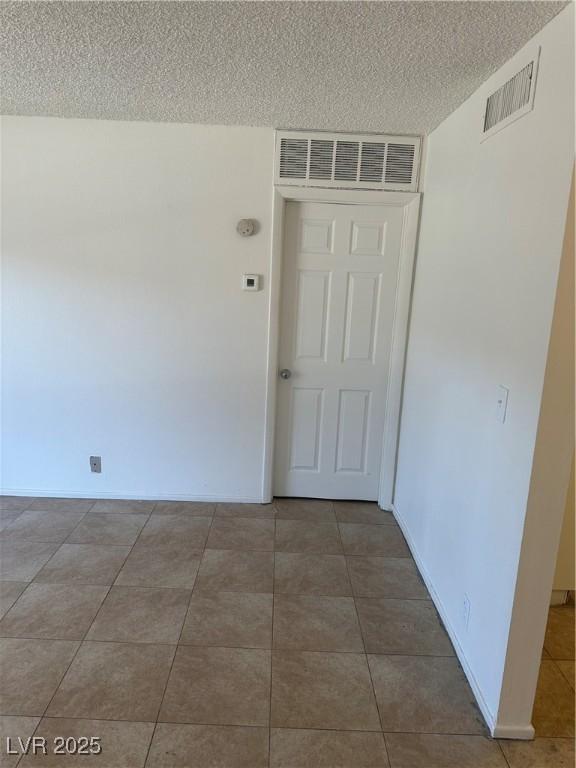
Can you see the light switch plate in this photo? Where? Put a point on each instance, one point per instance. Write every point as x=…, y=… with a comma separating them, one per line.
x=502, y=403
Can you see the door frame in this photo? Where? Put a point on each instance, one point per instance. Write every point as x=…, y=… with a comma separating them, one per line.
x=410, y=202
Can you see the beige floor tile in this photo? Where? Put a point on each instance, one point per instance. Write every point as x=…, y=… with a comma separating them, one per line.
x=301, y=536
x=226, y=570
x=15, y=503
x=62, y=505
x=8, y=517
x=383, y=540
x=83, y=564
x=241, y=533
x=12, y=729
x=326, y=749
x=553, y=713
x=402, y=626
x=195, y=508
x=175, y=530
x=42, y=663
x=43, y=526
x=10, y=591
x=540, y=753
x=108, y=529
x=123, y=745
x=245, y=510
x=134, y=614
x=566, y=667
x=174, y=567
x=53, y=611
x=408, y=750
x=424, y=694
x=559, y=640
x=365, y=512
x=311, y=623
x=322, y=690
x=114, y=681
x=311, y=574
x=208, y=746
x=218, y=686
x=20, y=560
x=229, y=619
x=123, y=506
x=385, y=577
x=310, y=510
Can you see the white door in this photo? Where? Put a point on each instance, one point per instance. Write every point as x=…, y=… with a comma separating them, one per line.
x=339, y=283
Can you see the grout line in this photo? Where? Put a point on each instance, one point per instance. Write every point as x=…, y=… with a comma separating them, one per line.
x=386, y=750
x=178, y=643
x=61, y=544
x=280, y=727
x=272, y=649
x=95, y=544
x=568, y=682
x=29, y=499
x=502, y=753
x=366, y=658
x=286, y=728
x=196, y=589
x=33, y=540
x=16, y=598
x=81, y=642
x=90, y=640
x=366, y=655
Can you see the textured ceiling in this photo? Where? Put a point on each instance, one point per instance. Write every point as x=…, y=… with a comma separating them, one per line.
x=359, y=66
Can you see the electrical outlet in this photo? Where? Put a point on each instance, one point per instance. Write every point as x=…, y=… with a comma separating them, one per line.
x=95, y=464
x=466, y=611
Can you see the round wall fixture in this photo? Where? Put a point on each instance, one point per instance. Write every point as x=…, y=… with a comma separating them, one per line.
x=246, y=227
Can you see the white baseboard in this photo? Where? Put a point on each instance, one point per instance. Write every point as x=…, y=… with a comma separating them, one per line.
x=497, y=731
x=523, y=732
x=66, y=494
x=486, y=712
x=559, y=597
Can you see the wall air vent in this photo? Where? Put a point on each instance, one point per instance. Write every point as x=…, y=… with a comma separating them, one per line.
x=512, y=99
x=347, y=160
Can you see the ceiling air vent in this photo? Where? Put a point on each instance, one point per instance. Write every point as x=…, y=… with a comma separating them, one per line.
x=512, y=99
x=347, y=160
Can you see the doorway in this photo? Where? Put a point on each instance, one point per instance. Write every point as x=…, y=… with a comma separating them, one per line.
x=344, y=296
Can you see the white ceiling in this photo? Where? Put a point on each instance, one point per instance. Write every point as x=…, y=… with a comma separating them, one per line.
x=357, y=66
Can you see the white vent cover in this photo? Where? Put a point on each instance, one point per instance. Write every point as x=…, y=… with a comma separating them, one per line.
x=512, y=99
x=347, y=160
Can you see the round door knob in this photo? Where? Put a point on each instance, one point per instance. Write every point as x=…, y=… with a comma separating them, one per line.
x=285, y=373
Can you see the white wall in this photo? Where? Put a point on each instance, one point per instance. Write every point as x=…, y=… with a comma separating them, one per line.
x=125, y=332
x=490, y=245
x=564, y=575
x=546, y=500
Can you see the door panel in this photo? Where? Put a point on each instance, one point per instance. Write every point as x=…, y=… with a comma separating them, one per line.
x=305, y=429
x=316, y=235
x=361, y=316
x=311, y=319
x=352, y=438
x=368, y=239
x=340, y=272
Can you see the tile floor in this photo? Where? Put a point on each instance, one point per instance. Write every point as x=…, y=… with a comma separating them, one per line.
x=554, y=703
x=194, y=635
